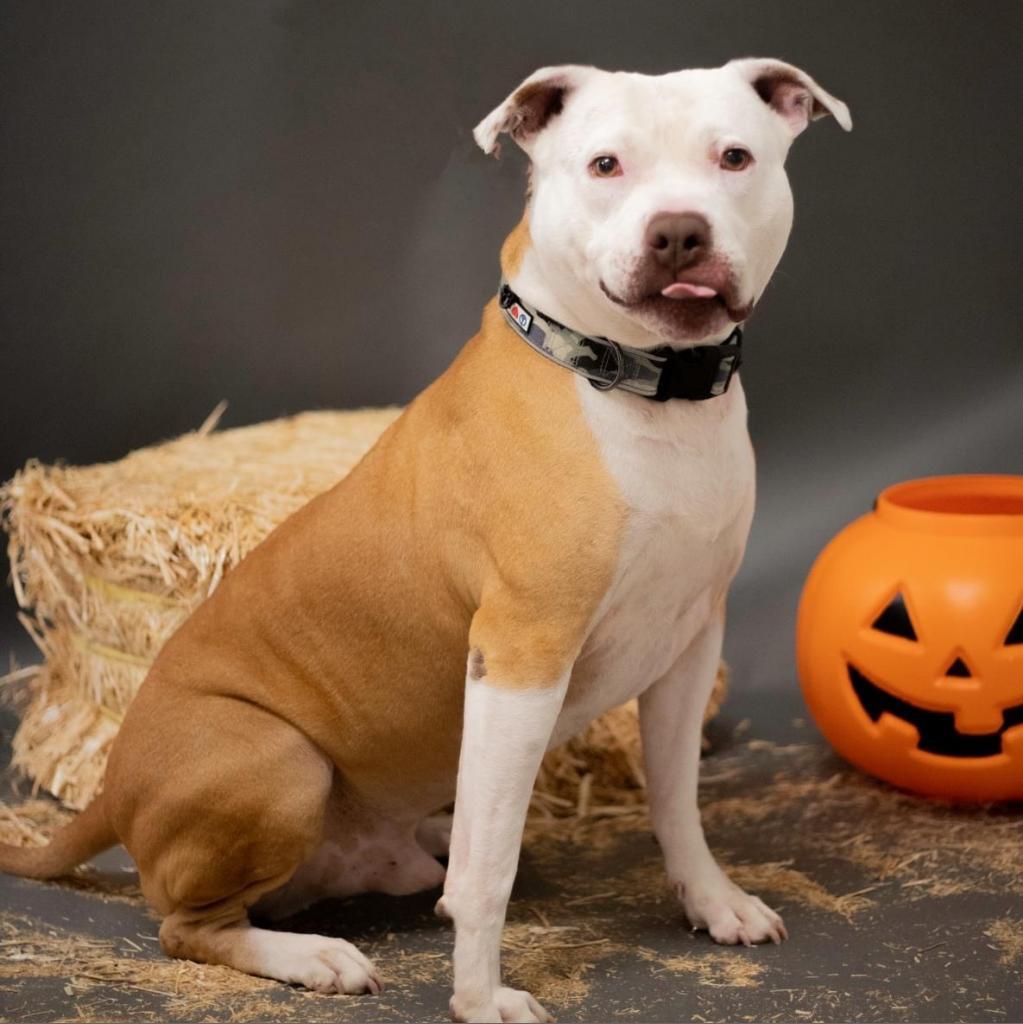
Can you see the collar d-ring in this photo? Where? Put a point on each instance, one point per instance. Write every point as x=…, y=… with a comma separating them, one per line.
x=607, y=385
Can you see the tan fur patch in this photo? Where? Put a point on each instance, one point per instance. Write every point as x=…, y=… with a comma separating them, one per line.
x=483, y=518
x=515, y=246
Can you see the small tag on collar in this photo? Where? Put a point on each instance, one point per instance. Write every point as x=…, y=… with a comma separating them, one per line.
x=520, y=316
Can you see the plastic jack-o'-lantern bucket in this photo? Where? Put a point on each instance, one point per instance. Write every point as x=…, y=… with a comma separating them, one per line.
x=910, y=638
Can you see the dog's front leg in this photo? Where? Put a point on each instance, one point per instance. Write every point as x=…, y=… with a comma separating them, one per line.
x=671, y=723
x=505, y=734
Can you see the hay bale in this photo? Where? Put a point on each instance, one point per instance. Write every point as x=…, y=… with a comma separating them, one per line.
x=107, y=561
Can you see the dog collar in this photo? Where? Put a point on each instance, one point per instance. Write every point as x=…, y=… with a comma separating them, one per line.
x=695, y=374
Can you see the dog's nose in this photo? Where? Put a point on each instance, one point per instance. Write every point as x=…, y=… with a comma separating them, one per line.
x=678, y=240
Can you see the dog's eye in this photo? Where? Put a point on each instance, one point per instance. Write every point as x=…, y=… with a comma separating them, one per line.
x=736, y=159
x=606, y=166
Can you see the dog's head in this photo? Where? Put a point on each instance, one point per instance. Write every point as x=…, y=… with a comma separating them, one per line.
x=659, y=205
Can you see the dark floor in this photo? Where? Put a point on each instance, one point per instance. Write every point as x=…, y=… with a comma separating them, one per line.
x=898, y=910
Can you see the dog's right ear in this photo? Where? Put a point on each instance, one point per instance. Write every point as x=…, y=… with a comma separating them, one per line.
x=530, y=107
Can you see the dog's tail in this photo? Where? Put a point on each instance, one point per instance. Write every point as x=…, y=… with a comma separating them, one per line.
x=78, y=841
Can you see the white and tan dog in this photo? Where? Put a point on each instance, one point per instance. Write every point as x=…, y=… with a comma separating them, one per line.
x=520, y=552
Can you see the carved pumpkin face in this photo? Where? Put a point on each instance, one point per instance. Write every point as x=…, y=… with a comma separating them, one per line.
x=910, y=638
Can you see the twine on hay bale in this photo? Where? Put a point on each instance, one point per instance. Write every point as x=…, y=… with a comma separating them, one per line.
x=108, y=560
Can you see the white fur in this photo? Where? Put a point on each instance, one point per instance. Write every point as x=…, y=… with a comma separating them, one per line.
x=377, y=855
x=668, y=133
x=671, y=722
x=686, y=473
x=505, y=734
x=315, y=961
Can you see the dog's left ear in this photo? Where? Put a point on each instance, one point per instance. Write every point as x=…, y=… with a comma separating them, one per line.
x=792, y=93
x=530, y=107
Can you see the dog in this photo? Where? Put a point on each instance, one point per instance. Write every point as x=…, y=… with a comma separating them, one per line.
x=547, y=531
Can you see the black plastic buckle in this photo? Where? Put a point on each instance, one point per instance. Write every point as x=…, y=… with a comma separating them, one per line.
x=505, y=297
x=701, y=372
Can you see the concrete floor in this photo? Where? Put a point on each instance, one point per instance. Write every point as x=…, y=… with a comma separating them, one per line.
x=898, y=910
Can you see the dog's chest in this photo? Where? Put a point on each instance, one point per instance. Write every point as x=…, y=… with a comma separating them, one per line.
x=686, y=475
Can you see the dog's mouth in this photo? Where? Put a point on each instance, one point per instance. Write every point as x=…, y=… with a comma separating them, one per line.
x=936, y=729
x=693, y=304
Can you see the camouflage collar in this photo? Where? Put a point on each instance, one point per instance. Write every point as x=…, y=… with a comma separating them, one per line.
x=694, y=374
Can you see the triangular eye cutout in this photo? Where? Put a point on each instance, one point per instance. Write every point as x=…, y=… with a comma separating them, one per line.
x=1016, y=633
x=959, y=668
x=895, y=619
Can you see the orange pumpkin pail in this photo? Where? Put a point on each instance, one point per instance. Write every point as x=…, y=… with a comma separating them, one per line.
x=909, y=638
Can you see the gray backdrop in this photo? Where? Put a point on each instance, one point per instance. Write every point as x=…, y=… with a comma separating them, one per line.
x=280, y=204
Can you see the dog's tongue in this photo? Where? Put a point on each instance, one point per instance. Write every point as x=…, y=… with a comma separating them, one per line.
x=684, y=290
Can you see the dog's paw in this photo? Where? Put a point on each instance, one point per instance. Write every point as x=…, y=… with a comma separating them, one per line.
x=731, y=915
x=328, y=965
x=504, y=1006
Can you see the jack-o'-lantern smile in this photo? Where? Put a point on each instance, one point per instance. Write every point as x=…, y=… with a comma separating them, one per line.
x=937, y=729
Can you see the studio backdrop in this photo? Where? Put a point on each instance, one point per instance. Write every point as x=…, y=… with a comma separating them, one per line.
x=280, y=204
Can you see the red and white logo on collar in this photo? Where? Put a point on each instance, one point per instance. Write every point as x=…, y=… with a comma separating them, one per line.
x=520, y=316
